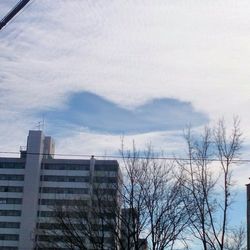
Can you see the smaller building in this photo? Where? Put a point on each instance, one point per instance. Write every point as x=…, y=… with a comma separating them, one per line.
x=130, y=230
x=248, y=216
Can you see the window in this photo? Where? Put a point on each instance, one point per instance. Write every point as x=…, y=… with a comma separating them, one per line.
x=46, y=213
x=106, y=167
x=10, y=201
x=58, y=178
x=51, y=226
x=57, y=226
x=52, y=238
x=73, y=214
x=105, y=179
x=11, y=189
x=4, y=224
x=107, y=191
x=53, y=202
x=11, y=237
x=10, y=212
x=64, y=190
x=12, y=177
x=8, y=248
x=16, y=165
x=63, y=166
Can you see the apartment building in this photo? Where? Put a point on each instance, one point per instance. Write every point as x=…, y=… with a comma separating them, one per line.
x=32, y=184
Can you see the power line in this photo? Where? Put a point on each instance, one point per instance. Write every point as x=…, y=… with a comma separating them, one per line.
x=124, y=157
x=14, y=12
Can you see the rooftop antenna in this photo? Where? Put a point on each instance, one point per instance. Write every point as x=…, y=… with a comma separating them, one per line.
x=40, y=125
x=43, y=123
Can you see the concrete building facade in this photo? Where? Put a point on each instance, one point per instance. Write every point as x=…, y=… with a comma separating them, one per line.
x=248, y=216
x=31, y=183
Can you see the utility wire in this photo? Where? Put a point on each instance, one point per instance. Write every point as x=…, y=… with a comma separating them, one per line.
x=123, y=157
x=14, y=13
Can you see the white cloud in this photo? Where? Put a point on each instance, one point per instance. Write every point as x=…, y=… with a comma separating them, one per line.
x=88, y=143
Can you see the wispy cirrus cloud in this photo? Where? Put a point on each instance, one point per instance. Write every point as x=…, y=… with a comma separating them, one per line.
x=129, y=52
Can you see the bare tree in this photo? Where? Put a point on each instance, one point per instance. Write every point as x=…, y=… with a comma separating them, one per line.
x=207, y=182
x=152, y=190
x=144, y=207
x=236, y=239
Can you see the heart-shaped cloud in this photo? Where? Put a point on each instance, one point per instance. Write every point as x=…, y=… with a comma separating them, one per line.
x=99, y=114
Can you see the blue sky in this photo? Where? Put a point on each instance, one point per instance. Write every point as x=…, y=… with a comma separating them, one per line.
x=96, y=70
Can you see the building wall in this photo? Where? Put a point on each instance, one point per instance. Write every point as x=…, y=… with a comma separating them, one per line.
x=65, y=181
x=248, y=217
x=36, y=181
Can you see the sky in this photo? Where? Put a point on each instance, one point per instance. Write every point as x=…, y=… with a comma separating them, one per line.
x=96, y=71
